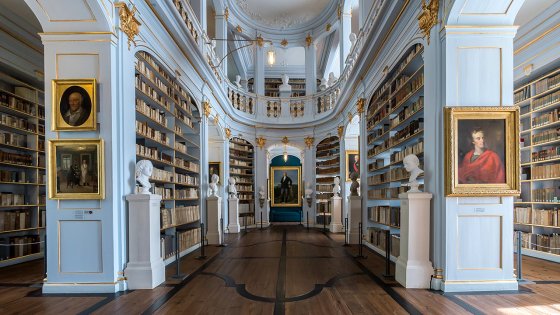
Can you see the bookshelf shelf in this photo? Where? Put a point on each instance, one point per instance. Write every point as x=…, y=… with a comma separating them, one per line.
x=242, y=166
x=537, y=215
x=327, y=156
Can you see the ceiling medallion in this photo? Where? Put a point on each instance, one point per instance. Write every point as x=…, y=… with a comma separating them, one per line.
x=261, y=141
x=428, y=18
x=279, y=19
x=284, y=42
x=309, y=142
x=239, y=29
x=129, y=24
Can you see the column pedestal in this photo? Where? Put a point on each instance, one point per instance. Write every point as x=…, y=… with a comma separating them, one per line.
x=336, y=215
x=414, y=268
x=354, y=218
x=145, y=268
x=214, y=214
x=233, y=215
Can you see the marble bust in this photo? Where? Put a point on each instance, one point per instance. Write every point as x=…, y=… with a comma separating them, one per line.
x=238, y=81
x=262, y=193
x=214, y=185
x=332, y=79
x=285, y=86
x=353, y=39
x=355, y=185
x=336, y=187
x=143, y=172
x=411, y=164
x=308, y=190
x=323, y=85
x=231, y=188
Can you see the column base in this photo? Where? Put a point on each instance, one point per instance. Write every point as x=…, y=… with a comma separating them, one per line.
x=145, y=275
x=233, y=229
x=336, y=228
x=59, y=288
x=486, y=285
x=413, y=275
x=213, y=238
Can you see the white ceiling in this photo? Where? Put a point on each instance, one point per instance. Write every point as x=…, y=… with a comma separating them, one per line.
x=531, y=9
x=19, y=10
x=283, y=13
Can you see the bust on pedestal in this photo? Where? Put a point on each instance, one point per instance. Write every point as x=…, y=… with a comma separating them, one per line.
x=214, y=207
x=413, y=267
x=145, y=268
x=233, y=205
x=285, y=88
x=336, y=214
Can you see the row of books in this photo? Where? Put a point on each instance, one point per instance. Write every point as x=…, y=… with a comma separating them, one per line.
x=330, y=170
x=527, y=215
x=413, y=52
x=187, y=239
x=376, y=133
x=377, y=237
x=143, y=129
x=244, y=187
x=18, y=246
x=522, y=94
x=241, y=171
x=153, y=153
x=386, y=193
x=17, y=103
x=15, y=220
x=324, y=187
x=546, y=118
x=542, y=242
x=21, y=123
x=324, y=196
x=11, y=199
x=150, y=75
x=14, y=176
x=324, y=207
x=546, y=136
x=376, y=164
x=152, y=93
x=335, y=161
x=546, y=100
x=408, y=111
x=416, y=148
x=14, y=139
x=409, y=88
x=173, y=177
x=385, y=215
x=551, y=194
x=547, y=84
x=234, y=162
x=237, y=146
x=546, y=154
x=155, y=114
x=546, y=171
x=179, y=215
x=392, y=175
x=184, y=118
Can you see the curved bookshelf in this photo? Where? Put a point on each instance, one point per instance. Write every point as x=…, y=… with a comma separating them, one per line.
x=327, y=159
x=242, y=167
x=167, y=134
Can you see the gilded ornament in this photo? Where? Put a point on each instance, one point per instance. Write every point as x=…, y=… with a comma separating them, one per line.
x=329, y=27
x=308, y=40
x=261, y=142
x=260, y=41
x=339, y=12
x=216, y=118
x=207, y=108
x=129, y=24
x=226, y=13
x=239, y=29
x=284, y=42
x=350, y=117
x=285, y=140
x=227, y=131
x=428, y=18
x=309, y=142
x=360, y=106
x=340, y=131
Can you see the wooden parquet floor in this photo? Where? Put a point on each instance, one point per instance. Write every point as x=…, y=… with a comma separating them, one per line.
x=281, y=270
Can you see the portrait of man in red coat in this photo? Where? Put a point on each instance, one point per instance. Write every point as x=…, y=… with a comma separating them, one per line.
x=481, y=165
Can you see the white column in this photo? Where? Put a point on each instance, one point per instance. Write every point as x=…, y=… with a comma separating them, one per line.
x=204, y=184
x=354, y=218
x=311, y=69
x=145, y=268
x=225, y=203
x=344, y=40
x=413, y=267
x=478, y=231
x=309, y=169
x=336, y=215
x=259, y=70
x=233, y=215
x=261, y=167
x=214, y=214
x=221, y=33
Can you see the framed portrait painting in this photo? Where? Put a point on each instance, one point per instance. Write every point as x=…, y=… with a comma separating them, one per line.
x=285, y=186
x=482, y=148
x=215, y=168
x=352, y=163
x=75, y=169
x=74, y=105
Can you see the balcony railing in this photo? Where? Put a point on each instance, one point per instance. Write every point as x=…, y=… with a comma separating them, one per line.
x=278, y=109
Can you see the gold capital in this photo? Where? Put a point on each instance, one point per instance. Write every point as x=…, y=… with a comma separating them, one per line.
x=226, y=13
x=340, y=131
x=260, y=41
x=227, y=131
x=129, y=24
x=284, y=42
x=360, y=105
x=207, y=108
x=285, y=140
x=428, y=17
x=261, y=141
x=309, y=142
x=308, y=40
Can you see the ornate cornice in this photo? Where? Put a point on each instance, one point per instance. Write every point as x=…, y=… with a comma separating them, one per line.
x=428, y=18
x=129, y=24
x=261, y=141
x=309, y=142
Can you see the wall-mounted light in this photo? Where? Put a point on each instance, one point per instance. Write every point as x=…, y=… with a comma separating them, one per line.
x=271, y=56
x=285, y=156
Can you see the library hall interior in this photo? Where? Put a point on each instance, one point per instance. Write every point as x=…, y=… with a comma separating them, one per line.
x=280, y=157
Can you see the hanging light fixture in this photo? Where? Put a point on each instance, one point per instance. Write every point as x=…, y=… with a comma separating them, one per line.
x=285, y=141
x=271, y=56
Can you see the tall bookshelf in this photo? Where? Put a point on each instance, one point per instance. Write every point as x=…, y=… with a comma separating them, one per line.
x=272, y=86
x=537, y=211
x=22, y=171
x=242, y=167
x=168, y=134
x=327, y=160
x=395, y=119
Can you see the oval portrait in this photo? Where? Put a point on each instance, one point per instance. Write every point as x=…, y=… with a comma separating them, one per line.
x=75, y=105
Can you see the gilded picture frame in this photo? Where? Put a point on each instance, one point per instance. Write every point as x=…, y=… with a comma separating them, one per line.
x=74, y=104
x=352, y=163
x=284, y=193
x=69, y=177
x=482, y=151
x=215, y=168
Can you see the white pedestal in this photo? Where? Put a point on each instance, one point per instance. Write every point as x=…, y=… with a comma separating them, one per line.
x=214, y=214
x=233, y=215
x=336, y=215
x=414, y=268
x=285, y=90
x=354, y=218
x=145, y=268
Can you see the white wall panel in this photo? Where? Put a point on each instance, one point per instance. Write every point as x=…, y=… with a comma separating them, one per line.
x=479, y=75
x=80, y=246
x=80, y=65
x=479, y=240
